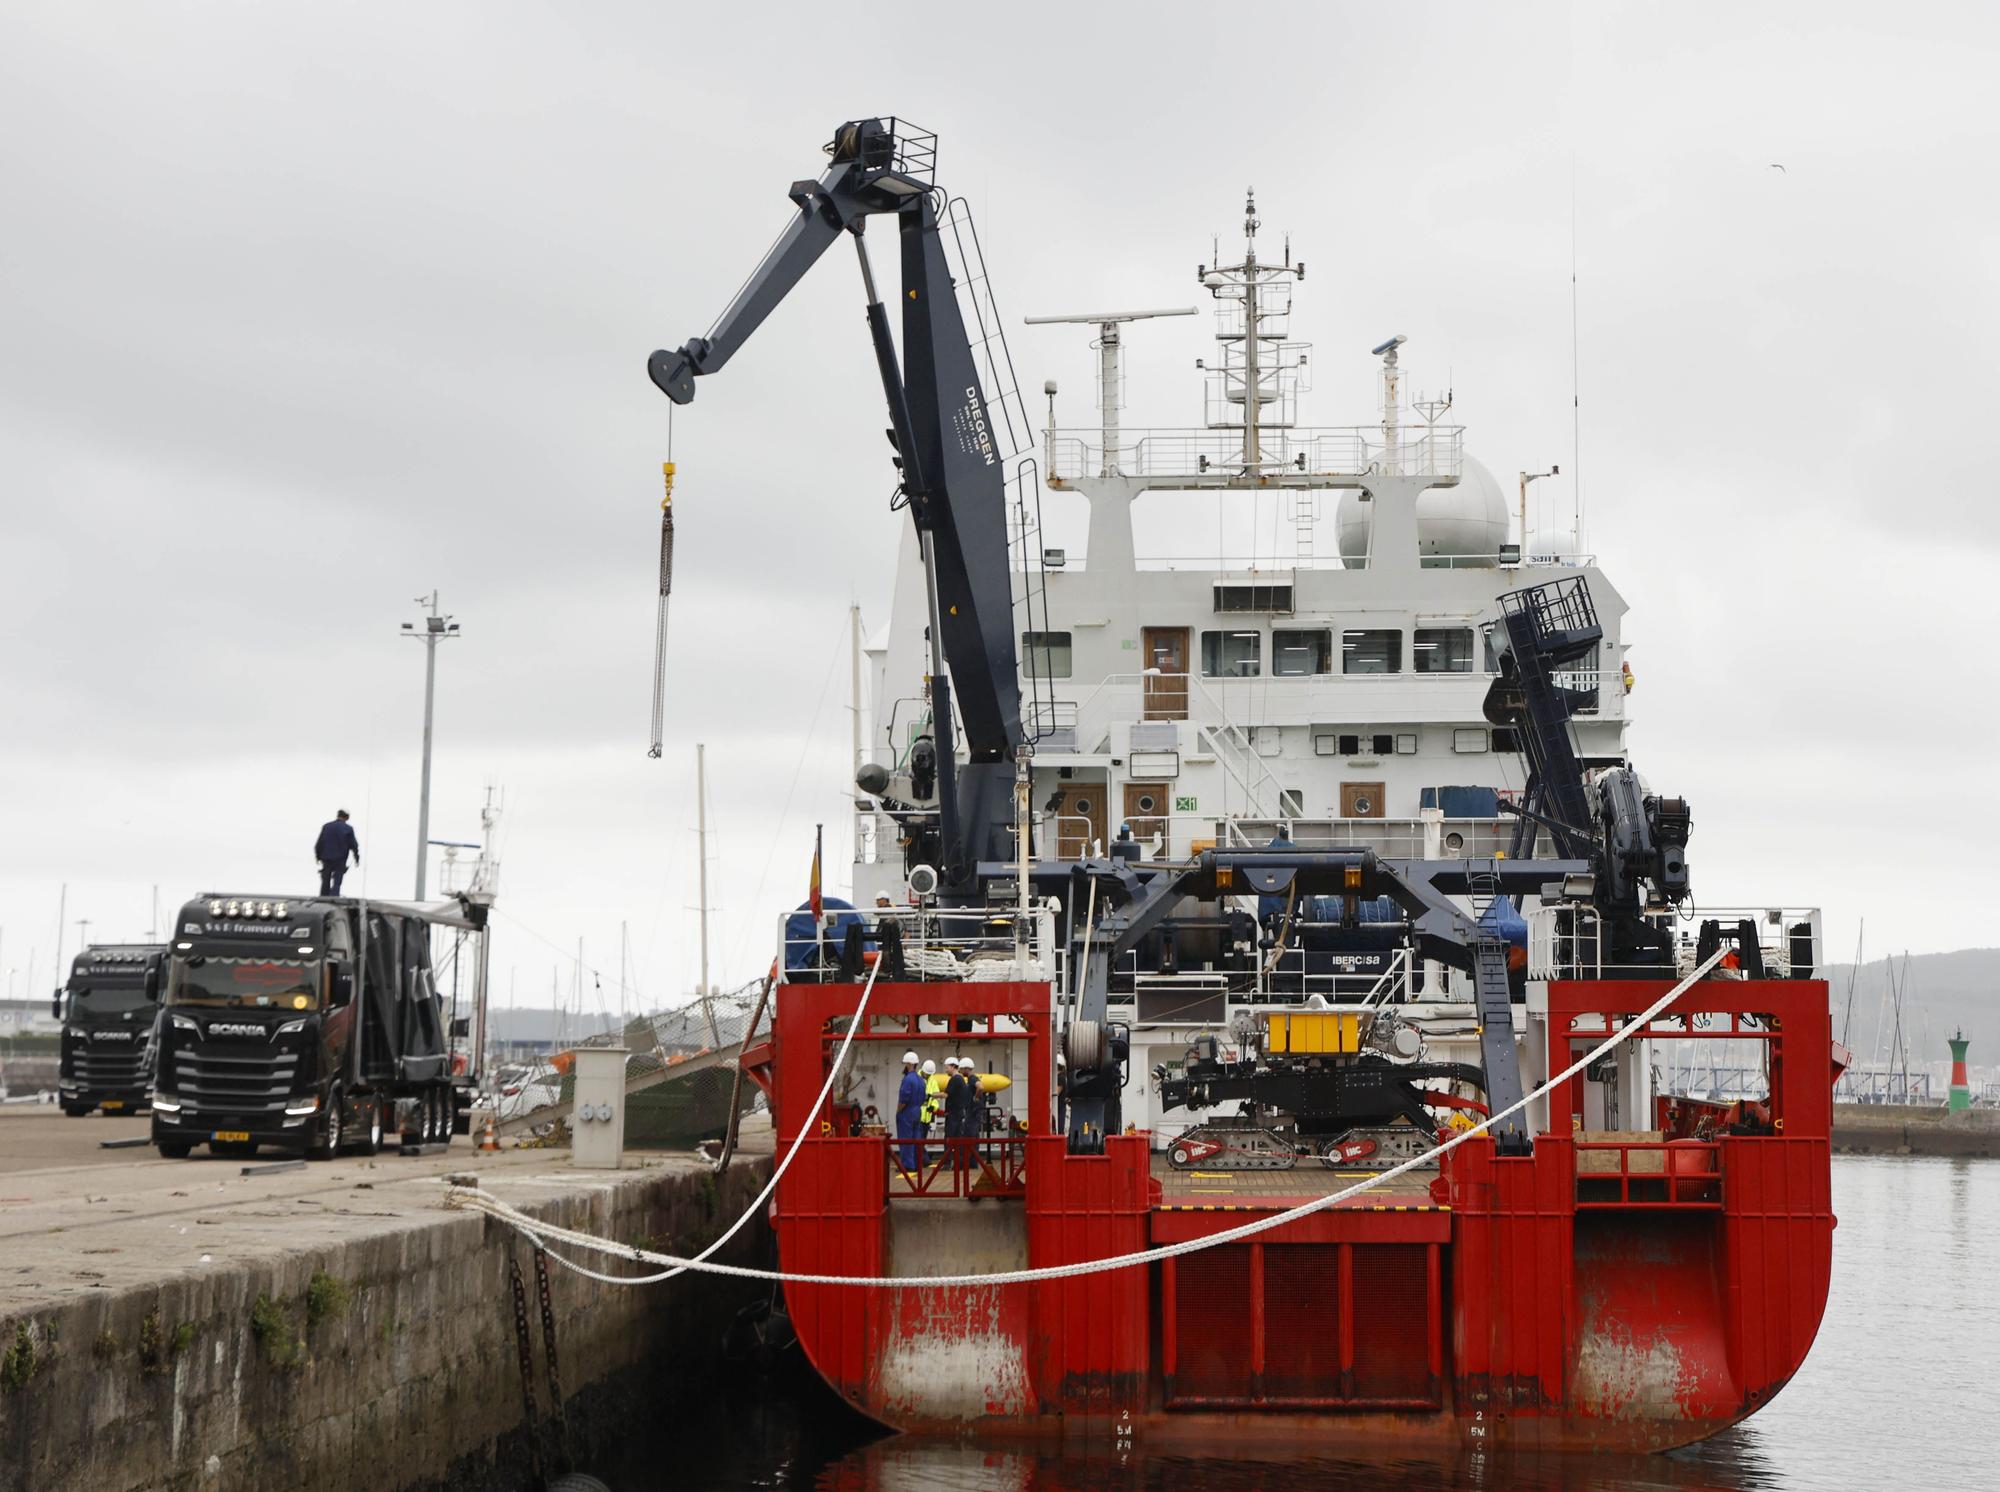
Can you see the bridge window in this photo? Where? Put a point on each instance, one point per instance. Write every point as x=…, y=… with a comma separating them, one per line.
x=1295, y=653
x=1443, y=650
x=1253, y=598
x=1364, y=743
x=1371, y=650
x=1045, y=655
x=1232, y=655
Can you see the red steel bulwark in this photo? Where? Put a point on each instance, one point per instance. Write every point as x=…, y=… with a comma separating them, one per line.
x=1671, y=1295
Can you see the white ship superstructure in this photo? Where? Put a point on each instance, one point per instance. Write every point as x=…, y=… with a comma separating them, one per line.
x=1320, y=682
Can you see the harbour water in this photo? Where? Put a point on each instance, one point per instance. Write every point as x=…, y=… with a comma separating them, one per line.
x=1897, y=1393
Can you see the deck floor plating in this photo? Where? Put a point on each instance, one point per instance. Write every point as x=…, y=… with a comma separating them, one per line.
x=1273, y=1190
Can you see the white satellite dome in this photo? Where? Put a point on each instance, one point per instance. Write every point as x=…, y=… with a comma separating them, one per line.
x=1467, y=521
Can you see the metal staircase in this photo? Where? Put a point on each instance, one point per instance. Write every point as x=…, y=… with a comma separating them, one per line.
x=1233, y=748
x=1496, y=1042
x=1547, y=626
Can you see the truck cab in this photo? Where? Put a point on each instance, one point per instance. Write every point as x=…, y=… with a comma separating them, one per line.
x=309, y=1025
x=107, y=1009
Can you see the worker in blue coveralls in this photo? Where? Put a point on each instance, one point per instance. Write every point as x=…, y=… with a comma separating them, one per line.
x=335, y=843
x=911, y=1096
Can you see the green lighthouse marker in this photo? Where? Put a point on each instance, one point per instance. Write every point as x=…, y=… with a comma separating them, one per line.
x=1961, y=1091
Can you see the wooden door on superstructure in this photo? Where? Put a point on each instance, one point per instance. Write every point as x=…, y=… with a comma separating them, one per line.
x=1080, y=819
x=1146, y=810
x=1166, y=696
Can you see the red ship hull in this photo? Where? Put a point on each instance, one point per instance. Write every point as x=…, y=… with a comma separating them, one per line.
x=1634, y=1296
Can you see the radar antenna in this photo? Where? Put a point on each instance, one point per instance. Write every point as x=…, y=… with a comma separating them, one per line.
x=1110, y=371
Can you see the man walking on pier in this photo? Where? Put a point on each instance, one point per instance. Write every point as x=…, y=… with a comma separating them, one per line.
x=336, y=842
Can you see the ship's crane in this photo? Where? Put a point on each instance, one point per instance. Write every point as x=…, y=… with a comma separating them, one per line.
x=952, y=470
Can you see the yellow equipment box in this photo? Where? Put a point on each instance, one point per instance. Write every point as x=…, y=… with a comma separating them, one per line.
x=1313, y=1033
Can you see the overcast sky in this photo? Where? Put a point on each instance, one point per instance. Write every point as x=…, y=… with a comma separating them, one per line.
x=308, y=310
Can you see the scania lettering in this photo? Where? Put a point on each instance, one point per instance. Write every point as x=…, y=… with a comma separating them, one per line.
x=107, y=1010
x=316, y=1025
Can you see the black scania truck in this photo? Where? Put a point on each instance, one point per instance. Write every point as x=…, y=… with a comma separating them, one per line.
x=312, y=1024
x=107, y=1011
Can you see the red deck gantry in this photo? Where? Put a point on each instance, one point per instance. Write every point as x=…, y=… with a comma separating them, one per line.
x=1631, y=1292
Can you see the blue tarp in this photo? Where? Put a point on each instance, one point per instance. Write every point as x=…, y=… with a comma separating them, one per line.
x=1463, y=802
x=800, y=941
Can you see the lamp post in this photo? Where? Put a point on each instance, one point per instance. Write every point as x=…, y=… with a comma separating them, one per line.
x=1526, y=478
x=436, y=629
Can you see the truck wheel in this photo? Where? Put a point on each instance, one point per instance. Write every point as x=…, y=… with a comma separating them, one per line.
x=326, y=1144
x=447, y=1117
x=174, y=1149
x=435, y=1126
x=371, y=1130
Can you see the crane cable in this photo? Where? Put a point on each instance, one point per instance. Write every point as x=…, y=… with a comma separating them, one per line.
x=666, y=587
x=538, y=1232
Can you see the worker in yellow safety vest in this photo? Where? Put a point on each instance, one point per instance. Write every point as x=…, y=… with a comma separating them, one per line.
x=934, y=1083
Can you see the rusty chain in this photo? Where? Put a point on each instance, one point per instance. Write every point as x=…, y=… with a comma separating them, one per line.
x=528, y=1415
x=560, y=1419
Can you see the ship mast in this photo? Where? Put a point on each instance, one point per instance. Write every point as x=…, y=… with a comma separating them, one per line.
x=1255, y=384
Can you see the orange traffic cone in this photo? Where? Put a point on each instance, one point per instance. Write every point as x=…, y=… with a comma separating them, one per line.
x=489, y=1136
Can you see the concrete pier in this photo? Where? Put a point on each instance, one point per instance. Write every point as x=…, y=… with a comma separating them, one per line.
x=1907, y=1129
x=178, y=1324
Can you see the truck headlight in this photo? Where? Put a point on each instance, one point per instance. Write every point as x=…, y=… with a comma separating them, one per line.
x=289, y=1027
x=300, y=1108
x=185, y=1023
x=165, y=1104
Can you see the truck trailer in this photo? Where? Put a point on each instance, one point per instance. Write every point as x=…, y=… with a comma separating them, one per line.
x=315, y=1025
x=107, y=1009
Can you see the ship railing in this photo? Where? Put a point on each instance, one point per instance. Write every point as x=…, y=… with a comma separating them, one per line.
x=1274, y=983
x=985, y=1166
x=1646, y=1173
x=1392, y=839
x=964, y=945
x=1572, y=942
x=1233, y=566
x=1153, y=704
x=1181, y=836
x=1204, y=455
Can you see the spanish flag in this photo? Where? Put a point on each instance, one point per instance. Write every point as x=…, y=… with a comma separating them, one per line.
x=813, y=896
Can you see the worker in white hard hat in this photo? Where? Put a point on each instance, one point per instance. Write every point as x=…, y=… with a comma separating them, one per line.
x=958, y=1111
x=934, y=1082
x=909, y=1110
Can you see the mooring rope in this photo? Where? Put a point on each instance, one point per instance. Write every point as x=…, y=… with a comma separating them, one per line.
x=540, y=1232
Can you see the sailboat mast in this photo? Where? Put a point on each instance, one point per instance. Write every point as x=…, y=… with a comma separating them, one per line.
x=701, y=855
x=701, y=844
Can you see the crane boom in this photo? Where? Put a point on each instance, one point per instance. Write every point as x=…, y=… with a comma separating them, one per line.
x=952, y=470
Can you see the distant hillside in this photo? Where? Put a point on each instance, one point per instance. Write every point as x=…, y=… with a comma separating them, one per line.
x=1954, y=990
x=545, y=1024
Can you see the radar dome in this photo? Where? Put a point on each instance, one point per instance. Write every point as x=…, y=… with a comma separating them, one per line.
x=1464, y=524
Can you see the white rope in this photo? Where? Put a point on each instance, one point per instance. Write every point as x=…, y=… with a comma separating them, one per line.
x=777, y=1173
x=536, y=1230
